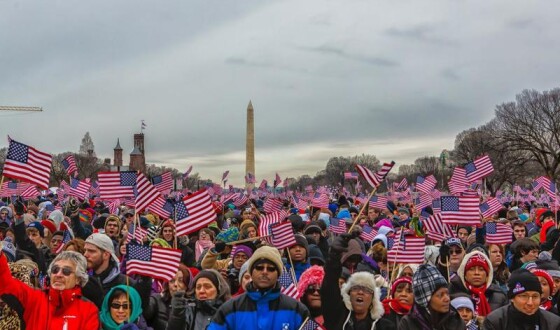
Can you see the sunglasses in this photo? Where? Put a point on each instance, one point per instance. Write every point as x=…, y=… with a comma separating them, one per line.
x=455, y=251
x=129, y=215
x=269, y=269
x=364, y=289
x=66, y=271
x=312, y=289
x=119, y=306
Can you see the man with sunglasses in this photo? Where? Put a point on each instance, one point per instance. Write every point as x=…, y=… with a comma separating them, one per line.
x=62, y=305
x=263, y=306
x=451, y=253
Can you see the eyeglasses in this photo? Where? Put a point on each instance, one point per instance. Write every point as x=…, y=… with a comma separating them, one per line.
x=526, y=297
x=66, y=271
x=364, y=289
x=119, y=306
x=455, y=251
x=269, y=269
x=312, y=289
x=128, y=215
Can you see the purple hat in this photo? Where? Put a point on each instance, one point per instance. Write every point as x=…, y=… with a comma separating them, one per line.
x=242, y=248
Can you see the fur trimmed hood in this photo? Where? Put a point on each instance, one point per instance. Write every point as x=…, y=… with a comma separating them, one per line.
x=368, y=280
x=461, y=270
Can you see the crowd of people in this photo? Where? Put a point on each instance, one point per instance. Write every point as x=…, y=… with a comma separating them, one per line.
x=64, y=267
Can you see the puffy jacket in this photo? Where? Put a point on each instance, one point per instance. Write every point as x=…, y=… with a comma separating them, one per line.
x=53, y=309
x=413, y=321
x=257, y=310
x=508, y=317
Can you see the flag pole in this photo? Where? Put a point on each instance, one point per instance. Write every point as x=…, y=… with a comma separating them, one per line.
x=247, y=240
x=292, y=272
x=303, y=324
x=174, y=226
x=362, y=209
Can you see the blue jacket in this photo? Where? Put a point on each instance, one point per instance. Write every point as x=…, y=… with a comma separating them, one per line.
x=299, y=268
x=256, y=310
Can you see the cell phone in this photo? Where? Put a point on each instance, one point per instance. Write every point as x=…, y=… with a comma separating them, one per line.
x=248, y=209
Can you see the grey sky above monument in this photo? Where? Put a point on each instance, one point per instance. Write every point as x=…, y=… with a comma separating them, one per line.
x=326, y=78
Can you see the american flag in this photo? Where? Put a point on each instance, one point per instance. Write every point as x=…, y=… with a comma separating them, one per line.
x=287, y=285
x=351, y=176
x=479, y=168
x=135, y=232
x=156, y=262
x=375, y=179
x=114, y=185
x=69, y=164
x=66, y=237
x=402, y=185
x=490, y=207
x=458, y=182
x=498, y=233
x=240, y=199
x=27, y=164
x=250, y=178
x=408, y=249
x=337, y=226
x=320, y=200
x=547, y=185
x=94, y=189
x=422, y=201
x=194, y=212
x=163, y=182
x=277, y=180
x=186, y=174
x=310, y=324
x=30, y=192
x=285, y=183
x=436, y=206
x=379, y=202
x=114, y=206
x=299, y=203
x=436, y=229
x=272, y=205
x=425, y=185
x=162, y=207
x=268, y=220
x=77, y=188
x=460, y=210
x=146, y=192
x=282, y=235
x=12, y=188
x=225, y=175
x=263, y=185
x=368, y=233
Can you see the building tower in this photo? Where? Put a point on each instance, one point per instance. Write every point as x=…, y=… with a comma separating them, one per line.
x=137, y=156
x=117, y=155
x=250, y=144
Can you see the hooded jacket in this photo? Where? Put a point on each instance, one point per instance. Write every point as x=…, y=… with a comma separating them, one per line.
x=260, y=310
x=494, y=294
x=53, y=309
x=335, y=301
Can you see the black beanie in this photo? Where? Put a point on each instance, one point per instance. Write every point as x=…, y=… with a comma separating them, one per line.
x=302, y=241
x=209, y=275
x=521, y=281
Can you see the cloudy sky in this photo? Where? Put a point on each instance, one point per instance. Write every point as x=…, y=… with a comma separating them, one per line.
x=398, y=79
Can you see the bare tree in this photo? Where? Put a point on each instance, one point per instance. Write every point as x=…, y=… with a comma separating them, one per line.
x=532, y=124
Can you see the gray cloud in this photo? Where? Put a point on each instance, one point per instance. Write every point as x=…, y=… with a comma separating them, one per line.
x=366, y=59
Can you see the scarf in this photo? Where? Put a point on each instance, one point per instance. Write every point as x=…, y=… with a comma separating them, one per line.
x=547, y=305
x=481, y=303
x=416, y=314
x=396, y=306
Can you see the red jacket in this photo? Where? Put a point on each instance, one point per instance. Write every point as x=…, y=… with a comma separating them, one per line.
x=65, y=310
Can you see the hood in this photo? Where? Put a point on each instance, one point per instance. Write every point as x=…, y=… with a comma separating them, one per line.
x=353, y=248
x=368, y=280
x=135, y=300
x=461, y=270
x=9, y=209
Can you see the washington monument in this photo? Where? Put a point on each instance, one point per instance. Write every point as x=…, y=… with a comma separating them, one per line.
x=250, y=145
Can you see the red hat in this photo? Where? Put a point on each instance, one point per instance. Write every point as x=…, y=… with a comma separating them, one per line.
x=404, y=279
x=477, y=260
x=49, y=225
x=543, y=273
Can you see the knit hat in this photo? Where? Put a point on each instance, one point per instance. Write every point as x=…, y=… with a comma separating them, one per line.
x=426, y=281
x=209, y=275
x=546, y=262
x=246, y=224
x=315, y=254
x=37, y=225
x=522, y=280
x=544, y=274
x=161, y=242
x=364, y=279
x=269, y=254
x=229, y=235
x=302, y=241
x=103, y=242
x=33, y=208
x=404, y=210
x=313, y=275
x=477, y=260
x=9, y=249
x=241, y=248
x=114, y=218
x=546, y=214
x=463, y=302
x=85, y=216
x=49, y=225
x=311, y=228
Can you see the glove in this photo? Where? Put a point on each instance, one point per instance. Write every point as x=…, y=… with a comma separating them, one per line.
x=19, y=207
x=220, y=246
x=340, y=244
x=444, y=253
x=178, y=302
